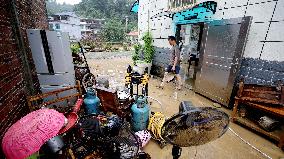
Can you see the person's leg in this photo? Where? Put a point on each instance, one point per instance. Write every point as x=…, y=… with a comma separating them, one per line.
x=164, y=79
x=189, y=63
x=179, y=81
x=196, y=61
x=169, y=68
x=191, y=58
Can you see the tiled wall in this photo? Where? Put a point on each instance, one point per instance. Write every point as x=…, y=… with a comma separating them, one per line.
x=160, y=27
x=264, y=51
x=31, y=14
x=263, y=54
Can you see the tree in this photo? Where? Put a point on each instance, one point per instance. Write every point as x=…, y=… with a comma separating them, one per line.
x=108, y=9
x=113, y=31
x=105, y=9
x=53, y=7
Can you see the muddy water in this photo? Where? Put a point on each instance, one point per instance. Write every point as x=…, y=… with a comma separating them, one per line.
x=227, y=147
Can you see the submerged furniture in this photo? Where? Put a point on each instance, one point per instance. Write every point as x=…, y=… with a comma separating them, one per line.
x=266, y=99
x=55, y=100
x=110, y=102
x=62, y=100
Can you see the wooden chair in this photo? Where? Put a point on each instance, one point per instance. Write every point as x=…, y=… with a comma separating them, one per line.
x=36, y=102
x=110, y=102
x=267, y=99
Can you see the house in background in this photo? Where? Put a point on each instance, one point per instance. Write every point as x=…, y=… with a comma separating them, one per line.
x=91, y=28
x=132, y=37
x=66, y=22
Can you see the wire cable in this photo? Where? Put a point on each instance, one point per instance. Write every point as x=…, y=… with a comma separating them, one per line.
x=246, y=142
x=162, y=108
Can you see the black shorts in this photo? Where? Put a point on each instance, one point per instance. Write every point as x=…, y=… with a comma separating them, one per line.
x=169, y=69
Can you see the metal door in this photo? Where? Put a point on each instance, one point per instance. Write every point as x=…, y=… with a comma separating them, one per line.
x=222, y=48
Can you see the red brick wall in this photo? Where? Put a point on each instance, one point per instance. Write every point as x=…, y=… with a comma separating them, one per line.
x=13, y=87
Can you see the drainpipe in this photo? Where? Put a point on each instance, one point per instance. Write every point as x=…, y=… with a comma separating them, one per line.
x=22, y=54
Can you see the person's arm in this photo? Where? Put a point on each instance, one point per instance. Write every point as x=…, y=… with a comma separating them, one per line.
x=177, y=57
x=176, y=61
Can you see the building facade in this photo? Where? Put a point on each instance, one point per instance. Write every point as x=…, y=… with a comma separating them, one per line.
x=66, y=22
x=91, y=28
x=261, y=59
x=265, y=38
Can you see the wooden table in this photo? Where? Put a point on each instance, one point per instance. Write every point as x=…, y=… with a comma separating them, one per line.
x=278, y=111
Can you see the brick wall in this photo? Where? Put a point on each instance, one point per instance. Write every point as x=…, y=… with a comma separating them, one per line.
x=13, y=71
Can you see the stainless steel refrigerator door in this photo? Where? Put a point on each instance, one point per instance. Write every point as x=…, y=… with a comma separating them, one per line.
x=37, y=49
x=222, y=48
x=67, y=53
x=58, y=56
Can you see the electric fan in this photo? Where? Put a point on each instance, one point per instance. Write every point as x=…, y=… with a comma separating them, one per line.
x=194, y=126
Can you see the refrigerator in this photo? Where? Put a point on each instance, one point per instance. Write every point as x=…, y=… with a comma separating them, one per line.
x=53, y=60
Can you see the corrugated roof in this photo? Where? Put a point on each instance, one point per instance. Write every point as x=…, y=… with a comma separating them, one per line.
x=133, y=33
x=71, y=14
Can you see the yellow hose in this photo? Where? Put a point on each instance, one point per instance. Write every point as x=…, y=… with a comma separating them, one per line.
x=156, y=123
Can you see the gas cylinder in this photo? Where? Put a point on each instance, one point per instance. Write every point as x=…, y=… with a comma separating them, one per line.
x=92, y=102
x=140, y=114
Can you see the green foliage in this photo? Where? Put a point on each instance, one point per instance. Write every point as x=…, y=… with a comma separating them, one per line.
x=113, y=31
x=114, y=11
x=75, y=48
x=125, y=47
x=107, y=9
x=108, y=47
x=148, y=49
x=91, y=42
x=53, y=7
x=135, y=55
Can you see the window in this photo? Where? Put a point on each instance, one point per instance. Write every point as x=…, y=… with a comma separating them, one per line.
x=50, y=26
x=173, y=4
x=64, y=17
x=57, y=26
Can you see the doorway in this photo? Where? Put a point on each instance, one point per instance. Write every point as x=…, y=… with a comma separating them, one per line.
x=189, y=37
x=211, y=56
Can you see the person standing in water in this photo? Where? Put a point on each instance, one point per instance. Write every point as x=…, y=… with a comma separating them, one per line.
x=174, y=65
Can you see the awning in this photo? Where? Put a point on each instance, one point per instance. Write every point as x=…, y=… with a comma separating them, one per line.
x=135, y=7
x=201, y=12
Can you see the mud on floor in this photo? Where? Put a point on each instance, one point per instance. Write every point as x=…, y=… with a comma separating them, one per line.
x=227, y=147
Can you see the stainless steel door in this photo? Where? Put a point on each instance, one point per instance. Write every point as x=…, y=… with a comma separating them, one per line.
x=222, y=48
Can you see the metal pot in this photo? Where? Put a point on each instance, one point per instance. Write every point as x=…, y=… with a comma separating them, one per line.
x=268, y=124
x=53, y=145
x=123, y=95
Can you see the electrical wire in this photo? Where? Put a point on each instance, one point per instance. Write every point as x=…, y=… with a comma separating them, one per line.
x=162, y=108
x=246, y=142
